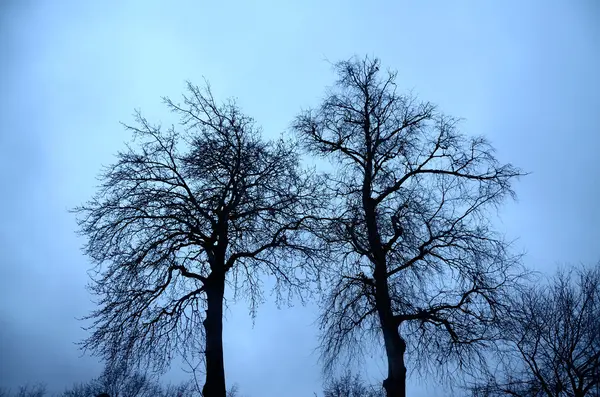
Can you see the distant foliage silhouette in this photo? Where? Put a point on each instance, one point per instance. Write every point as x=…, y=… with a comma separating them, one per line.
x=32, y=390
x=349, y=385
x=124, y=381
x=113, y=382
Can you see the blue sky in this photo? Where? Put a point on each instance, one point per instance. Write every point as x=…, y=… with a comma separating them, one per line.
x=523, y=73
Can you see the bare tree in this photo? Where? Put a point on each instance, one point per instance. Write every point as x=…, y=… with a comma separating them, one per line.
x=185, y=389
x=180, y=215
x=349, y=385
x=416, y=260
x=36, y=390
x=120, y=380
x=234, y=391
x=551, y=340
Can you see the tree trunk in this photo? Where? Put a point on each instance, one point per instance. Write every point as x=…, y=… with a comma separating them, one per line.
x=395, y=384
x=213, y=326
x=395, y=346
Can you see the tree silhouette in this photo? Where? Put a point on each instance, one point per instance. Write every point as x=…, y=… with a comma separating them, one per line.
x=415, y=259
x=349, y=385
x=36, y=390
x=180, y=215
x=123, y=381
x=120, y=380
x=551, y=340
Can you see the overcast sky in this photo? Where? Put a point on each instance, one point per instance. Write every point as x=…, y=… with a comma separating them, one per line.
x=524, y=73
